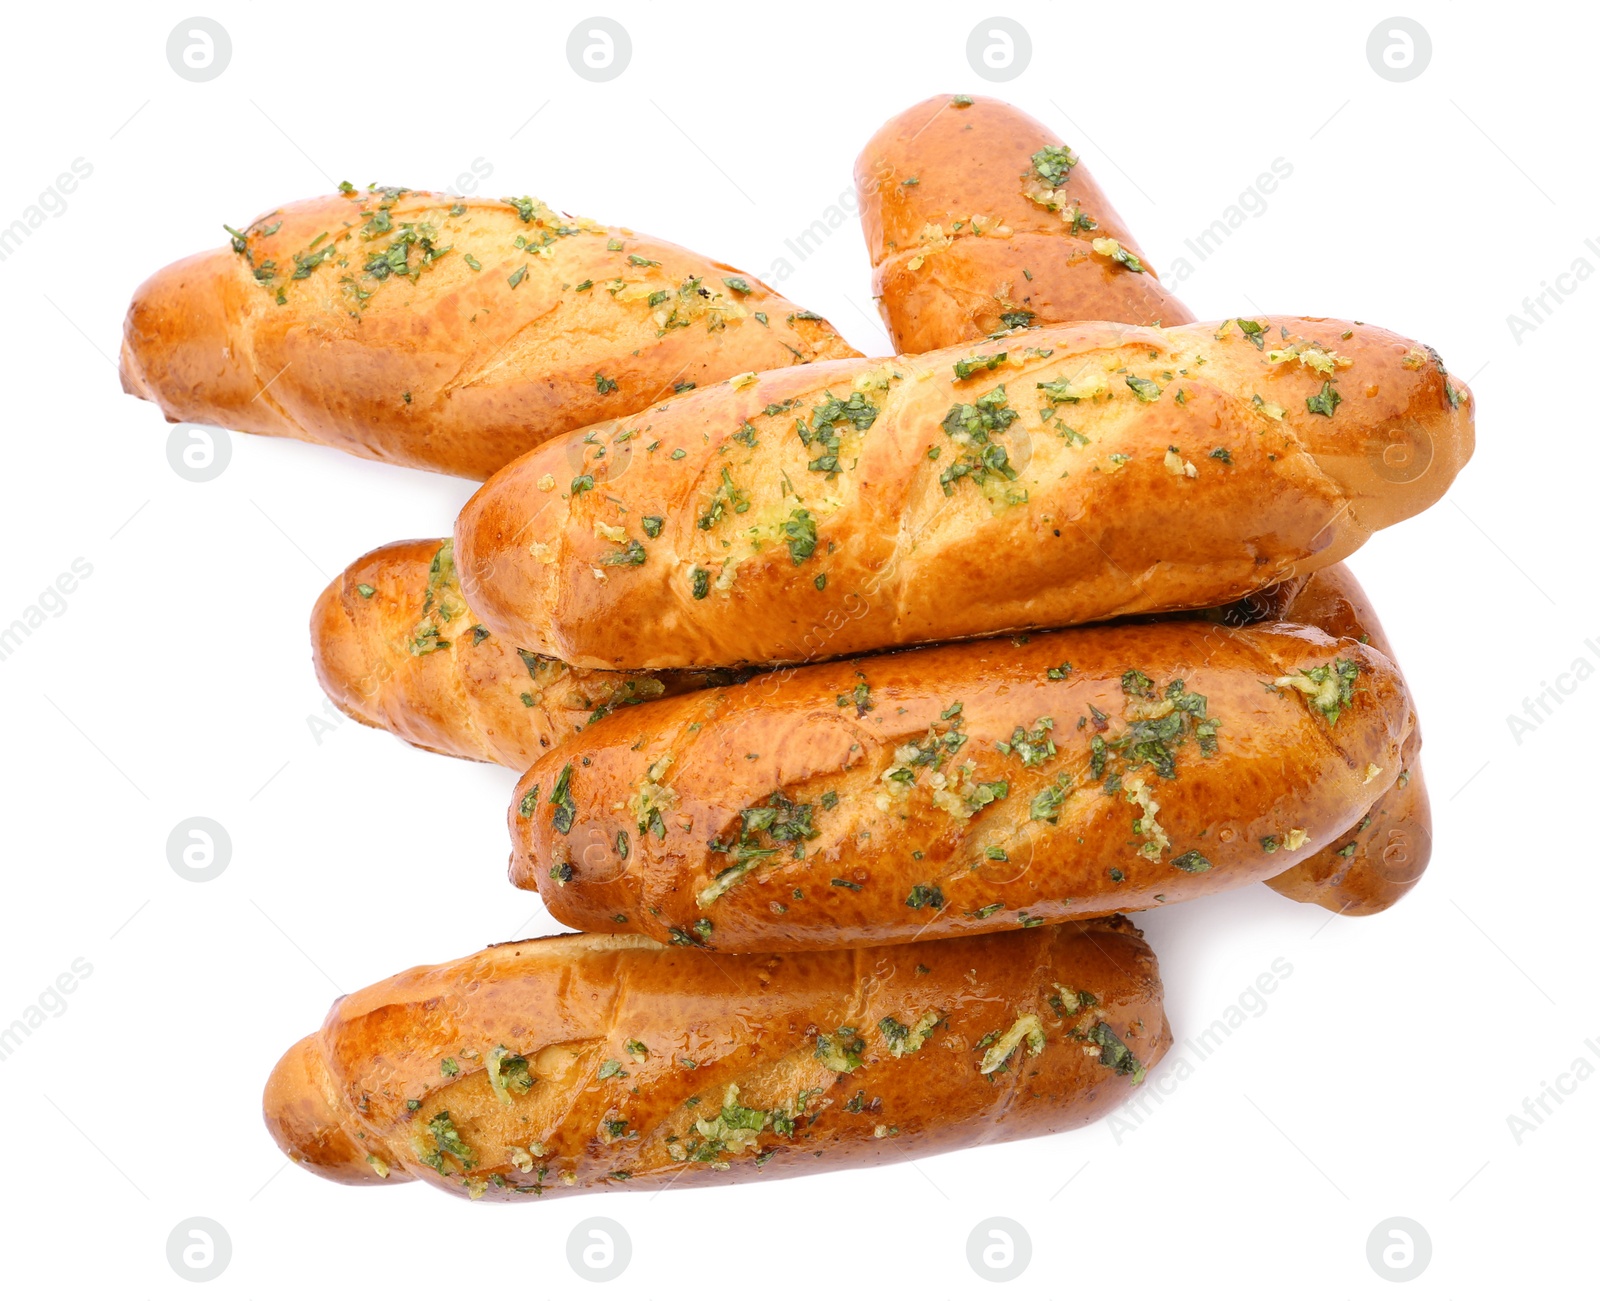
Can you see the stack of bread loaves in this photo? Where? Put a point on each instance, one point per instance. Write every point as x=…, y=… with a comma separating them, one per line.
x=774, y=632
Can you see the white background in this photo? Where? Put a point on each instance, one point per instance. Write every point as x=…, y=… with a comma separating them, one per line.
x=1378, y=1080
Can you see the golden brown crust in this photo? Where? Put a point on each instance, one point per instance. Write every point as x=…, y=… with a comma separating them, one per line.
x=631, y=1050
x=395, y=647
x=1113, y=521
x=1377, y=860
x=968, y=235
x=961, y=789
x=302, y=1109
x=442, y=366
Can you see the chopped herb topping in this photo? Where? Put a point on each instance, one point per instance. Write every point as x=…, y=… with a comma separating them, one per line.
x=841, y=1052
x=1031, y=745
x=859, y=696
x=969, y=366
x=800, y=530
x=1327, y=687
x=826, y=421
x=1156, y=728
x=1324, y=400
x=903, y=1039
x=1052, y=164
x=1114, y=1053
x=726, y=495
x=1113, y=249
x=763, y=830
x=561, y=796
x=972, y=426
x=446, y=1142
x=1026, y=1029
x=632, y=554
x=508, y=1073
x=1047, y=803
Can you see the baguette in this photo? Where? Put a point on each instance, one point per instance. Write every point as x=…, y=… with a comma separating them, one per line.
x=446, y=333
x=395, y=646
x=1097, y=470
x=962, y=789
x=1376, y=861
x=582, y=1063
x=978, y=218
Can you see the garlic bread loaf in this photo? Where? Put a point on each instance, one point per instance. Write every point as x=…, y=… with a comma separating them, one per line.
x=583, y=1063
x=978, y=218
x=447, y=333
x=395, y=647
x=962, y=789
x=1375, y=862
x=1052, y=477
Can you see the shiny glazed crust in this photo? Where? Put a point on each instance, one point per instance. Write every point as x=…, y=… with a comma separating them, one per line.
x=962, y=789
x=710, y=531
x=395, y=647
x=389, y=344
x=626, y=1065
x=1377, y=861
x=971, y=229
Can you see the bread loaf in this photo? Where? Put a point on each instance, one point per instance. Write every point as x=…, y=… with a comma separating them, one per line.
x=584, y=1063
x=1376, y=861
x=395, y=646
x=447, y=333
x=962, y=789
x=978, y=218
x=1057, y=476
